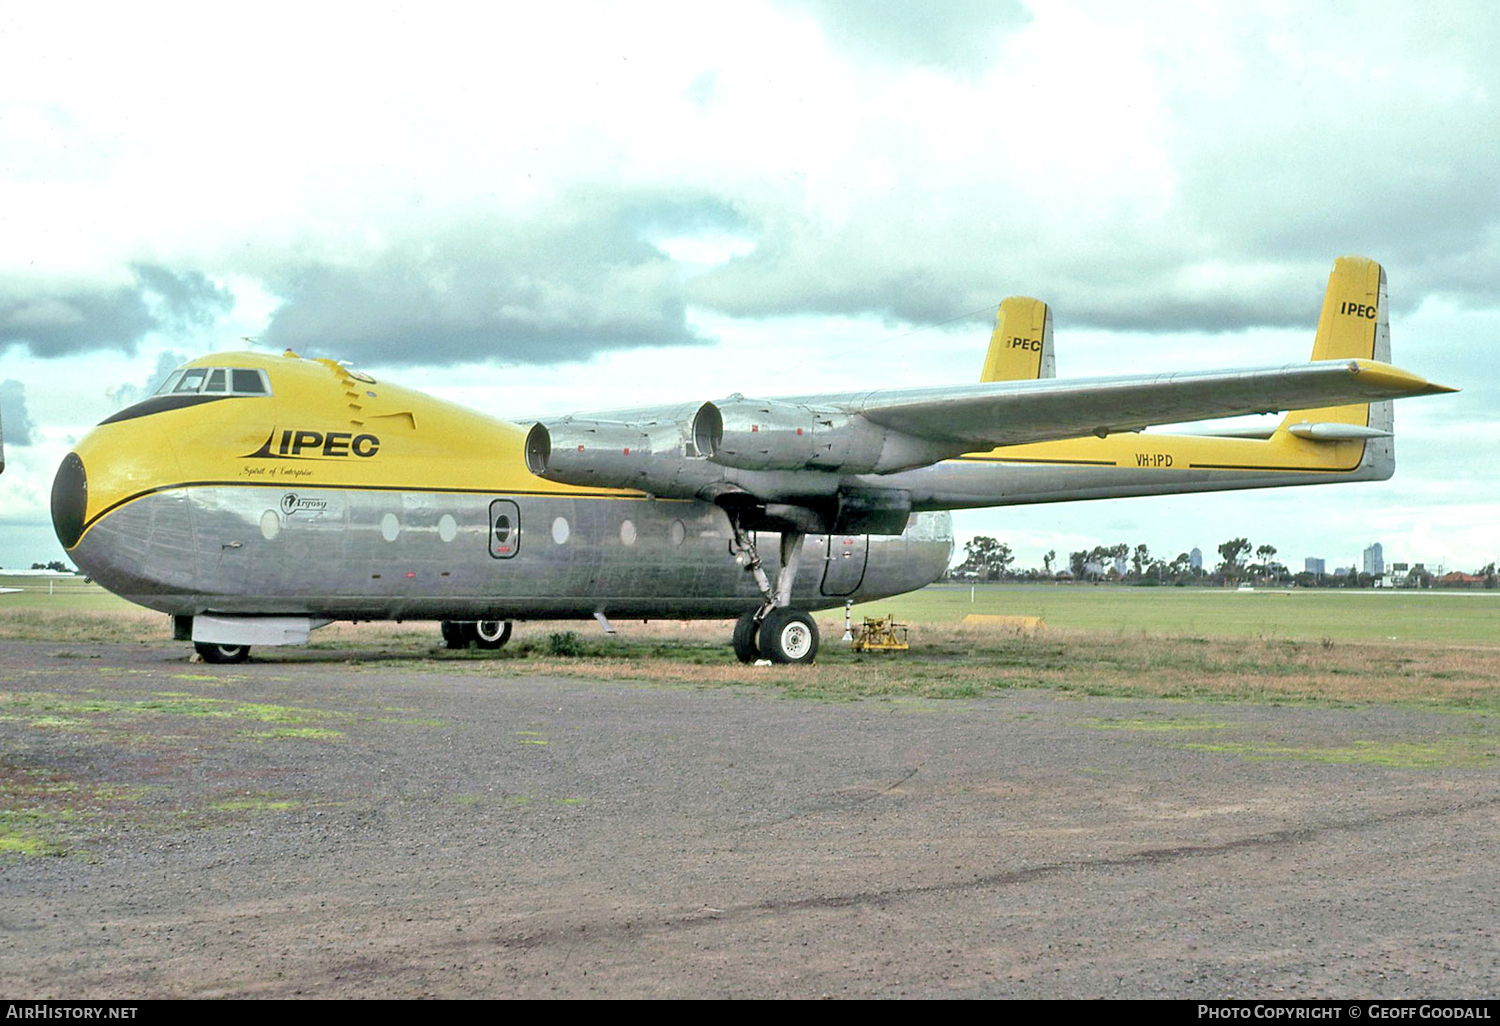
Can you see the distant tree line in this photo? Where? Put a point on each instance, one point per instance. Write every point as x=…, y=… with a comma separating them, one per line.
x=1240, y=562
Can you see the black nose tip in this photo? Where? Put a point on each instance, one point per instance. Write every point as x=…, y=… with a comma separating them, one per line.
x=70, y=498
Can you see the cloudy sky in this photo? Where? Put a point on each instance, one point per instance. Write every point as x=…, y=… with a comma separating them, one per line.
x=544, y=208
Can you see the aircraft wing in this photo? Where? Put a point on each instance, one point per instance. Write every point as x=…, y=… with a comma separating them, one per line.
x=687, y=451
x=1011, y=413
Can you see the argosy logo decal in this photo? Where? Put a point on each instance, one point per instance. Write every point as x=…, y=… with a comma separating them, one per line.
x=315, y=445
x=1017, y=342
x=291, y=503
x=1365, y=310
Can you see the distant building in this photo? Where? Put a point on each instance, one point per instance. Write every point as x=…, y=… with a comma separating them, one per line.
x=1374, y=560
x=1195, y=558
x=1314, y=565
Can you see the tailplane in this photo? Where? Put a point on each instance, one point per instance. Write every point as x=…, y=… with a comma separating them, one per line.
x=1021, y=347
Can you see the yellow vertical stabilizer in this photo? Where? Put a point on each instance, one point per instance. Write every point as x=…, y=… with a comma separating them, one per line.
x=1021, y=347
x=1352, y=325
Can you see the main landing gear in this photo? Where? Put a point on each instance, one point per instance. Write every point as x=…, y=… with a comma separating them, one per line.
x=784, y=636
x=212, y=653
x=487, y=634
x=775, y=631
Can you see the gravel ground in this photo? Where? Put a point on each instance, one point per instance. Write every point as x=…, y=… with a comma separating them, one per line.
x=310, y=826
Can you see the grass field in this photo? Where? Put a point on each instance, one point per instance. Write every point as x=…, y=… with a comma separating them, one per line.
x=1438, y=650
x=72, y=594
x=1465, y=617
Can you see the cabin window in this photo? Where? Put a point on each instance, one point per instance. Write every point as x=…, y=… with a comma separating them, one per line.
x=215, y=381
x=170, y=383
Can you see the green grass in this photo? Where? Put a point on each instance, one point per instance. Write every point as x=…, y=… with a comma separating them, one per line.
x=62, y=594
x=264, y=804
x=1172, y=724
x=26, y=833
x=42, y=706
x=1441, y=754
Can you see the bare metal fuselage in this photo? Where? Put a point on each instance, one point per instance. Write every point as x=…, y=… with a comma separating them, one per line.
x=357, y=554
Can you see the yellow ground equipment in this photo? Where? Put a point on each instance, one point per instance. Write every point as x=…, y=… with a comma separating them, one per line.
x=881, y=634
x=1019, y=624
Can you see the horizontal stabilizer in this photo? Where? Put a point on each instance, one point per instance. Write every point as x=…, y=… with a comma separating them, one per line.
x=1332, y=431
x=1337, y=432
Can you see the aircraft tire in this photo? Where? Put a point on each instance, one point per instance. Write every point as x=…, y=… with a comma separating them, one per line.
x=491, y=634
x=457, y=633
x=789, y=636
x=212, y=653
x=745, y=628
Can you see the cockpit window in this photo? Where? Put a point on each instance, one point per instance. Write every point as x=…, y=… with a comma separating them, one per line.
x=192, y=381
x=250, y=382
x=215, y=381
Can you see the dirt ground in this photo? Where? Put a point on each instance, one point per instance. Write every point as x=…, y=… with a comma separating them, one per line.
x=322, y=826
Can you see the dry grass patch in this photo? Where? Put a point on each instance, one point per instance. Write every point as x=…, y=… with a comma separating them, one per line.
x=125, y=625
x=955, y=662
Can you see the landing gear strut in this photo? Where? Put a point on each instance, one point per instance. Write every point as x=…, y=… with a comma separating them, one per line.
x=774, y=631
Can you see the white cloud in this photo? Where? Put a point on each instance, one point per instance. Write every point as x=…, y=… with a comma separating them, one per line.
x=1174, y=179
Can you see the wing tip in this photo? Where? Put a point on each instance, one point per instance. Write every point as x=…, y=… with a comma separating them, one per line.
x=1394, y=378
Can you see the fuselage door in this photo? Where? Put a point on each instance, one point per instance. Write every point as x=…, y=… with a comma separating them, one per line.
x=505, y=529
x=844, y=567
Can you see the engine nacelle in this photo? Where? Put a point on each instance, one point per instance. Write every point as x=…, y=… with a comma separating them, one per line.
x=759, y=434
x=599, y=453
x=762, y=434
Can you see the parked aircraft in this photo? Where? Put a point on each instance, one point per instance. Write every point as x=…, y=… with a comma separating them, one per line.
x=254, y=498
